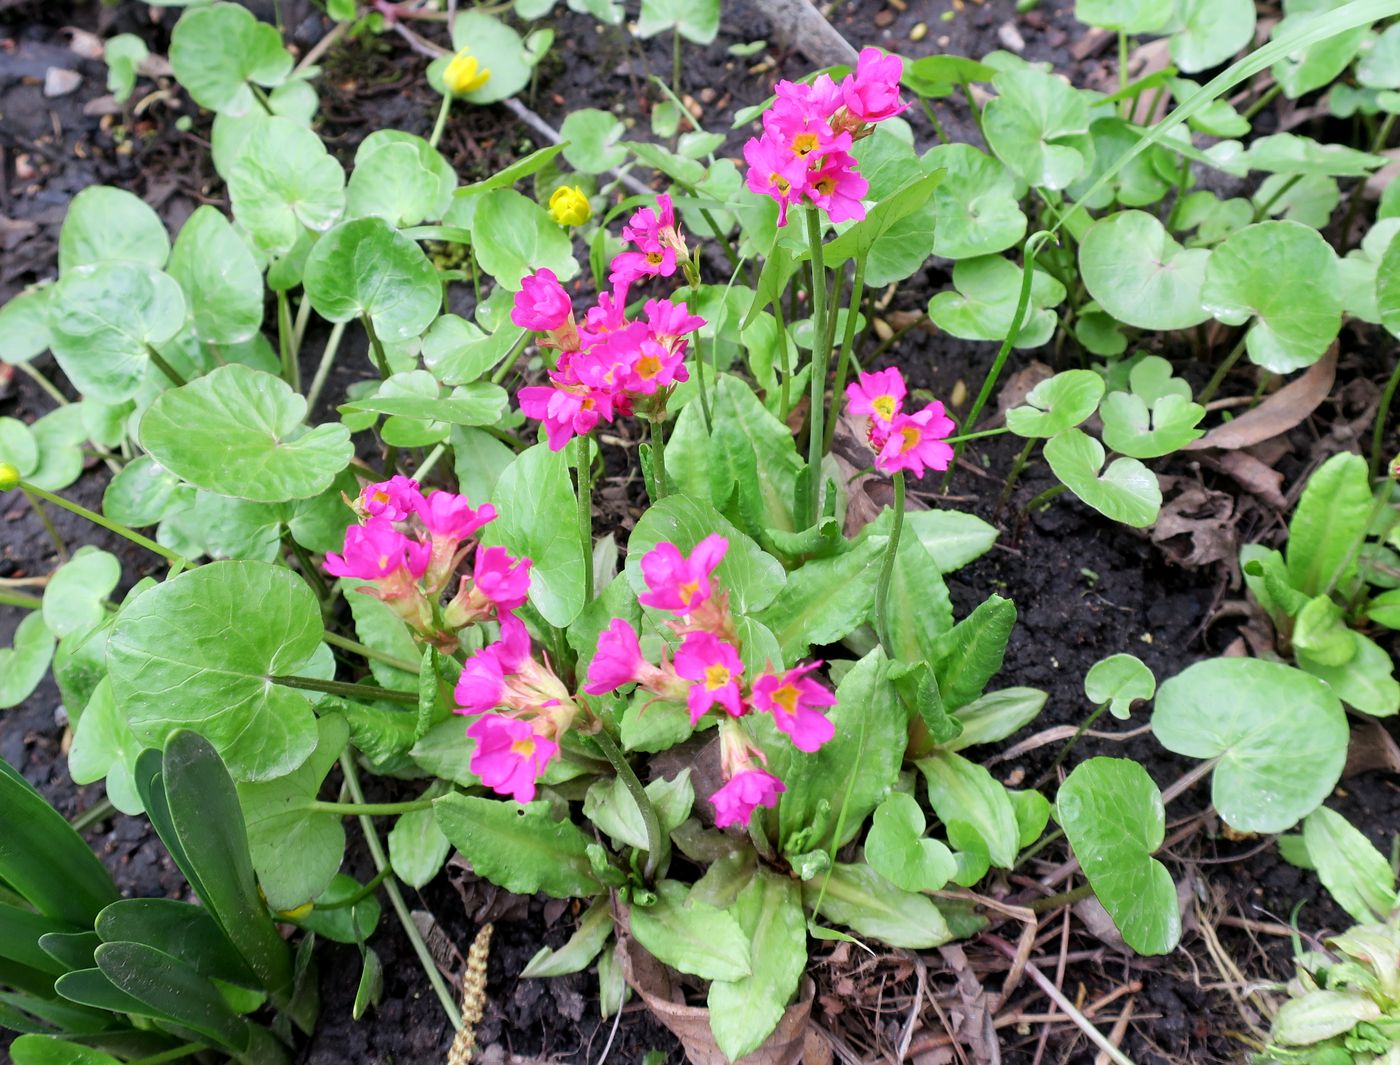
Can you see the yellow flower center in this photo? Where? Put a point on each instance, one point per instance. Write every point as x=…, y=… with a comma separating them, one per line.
x=804, y=144
x=524, y=748
x=716, y=676
x=648, y=366
x=688, y=591
x=785, y=699
x=655, y=258
x=383, y=561
x=782, y=184
x=826, y=186
x=883, y=406
x=911, y=438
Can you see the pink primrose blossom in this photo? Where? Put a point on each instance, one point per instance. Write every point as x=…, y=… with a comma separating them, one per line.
x=565, y=413
x=451, y=516
x=871, y=92
x=677, y=583
x=795, y=701
x=376, y=550
x=617, y=660
x=837, y=187
x=541, y=304
x=715, y=667
x=510, y=756
x=879, y=395
x=915, y=442
x=501, y=579
x=394, y=499
x=775, y=172
x=746, y=792
x=670, y=321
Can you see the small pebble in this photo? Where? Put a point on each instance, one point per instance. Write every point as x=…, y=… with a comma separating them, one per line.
x=60, y=82
x=919, y=32
x=1011, y=38
x=884, y=18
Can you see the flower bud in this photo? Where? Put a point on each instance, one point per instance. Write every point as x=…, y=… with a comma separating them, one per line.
x=569, y=206
x=1394, y=471
x=9, y=477
x=464, y=74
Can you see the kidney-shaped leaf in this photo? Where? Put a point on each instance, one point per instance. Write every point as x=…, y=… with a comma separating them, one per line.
x=23, y=666
x=1280, y=736
x=1119, y=680
x=1112, y=815
x=283, y=182
x=976, y=204
x=366, y=267
x=898, y=850
x=982, y=308
x=514, y=236
x=238, y=432
x=1140, y=275
x=216, y=51
x=1156, y=417
x=199, y=652
x=220, y=278
x=1056, y=404
x=104, y=224
x=1127, y=491
x=1212, y=31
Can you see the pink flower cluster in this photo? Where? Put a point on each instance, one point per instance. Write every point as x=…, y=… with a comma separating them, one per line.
x=409, y=544
x=805, y=149
x=708, y=671
x=912, y=442
x=609, y=365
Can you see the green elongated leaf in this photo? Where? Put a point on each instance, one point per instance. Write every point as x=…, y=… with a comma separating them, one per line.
x=517, y=171
x=24, y=665
x=1032, y=815
x=1280, y=736
x=74, y=595
x=1290, y=154
x=861, y=899
x=105, y=224
x=72, y=950
x=1212, y=32
x=1056, y=404
x=609, y=806
x=445, y=751
x=1365, y=681
x=37, y=1049
x=44, y=860
x=743, y=1012
x=1302, y=70
x=752, y=578
x=239, y=432
x=1119, y=680
x=216, y=51
x=281, y=182
x=296, y=851
x=953, y=538
x=520, y=848
x=827, y=598
x=1127, y=491
x=898, y=850
x=220, y=278
x=891, y=209
x=90, y=988
x=692, y=936
x=963, y=793
x=1113, y=816
x=1388, y=288
x=1140, y=275
x=104, y=747
x=105, y=318
x=199, y=651
x=1295, y=303
x=578, y=953
x=975, y=205
x=366, y=268
x=970, y=654
x=180, y=929
x=415, y=394
x=984, y=303
x=1316, y=1016
x=21, y=933
x=514, y=236
x=753, y=453
x=537, y=508
x=1328, y=524
x=1358, y=875
x=920, y=609
x=1321, y=633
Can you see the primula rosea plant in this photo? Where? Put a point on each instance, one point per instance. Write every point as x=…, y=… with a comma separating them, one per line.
x=754, y=720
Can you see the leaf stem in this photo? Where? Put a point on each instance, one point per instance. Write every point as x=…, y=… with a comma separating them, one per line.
x=381, y=361
x=381, y=862
x=1218, y=378
x=350, y=691
x=1264, y=100
x=368, y=809
x=1015, y=475
x=27, y=491
x=98, y=811
x=19, y=599
x=1382, y=416
x=371, y=886
x=43, y=382
x=882, y=589
x=585, y=512
x=284, y=341
x=511, y=357
x=106, y=523
x=1064, y=898
x=655, y=840
x=441, y=124
x=176, y=378
x=365, y=651
x=676, y=60
x=1045, y=497
x=323, y=368
x=821, y=355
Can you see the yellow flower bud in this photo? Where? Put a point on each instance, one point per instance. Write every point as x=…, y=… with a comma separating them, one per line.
x=464, y=74
x=569, y=206
x=297, y=914
x=9, y=477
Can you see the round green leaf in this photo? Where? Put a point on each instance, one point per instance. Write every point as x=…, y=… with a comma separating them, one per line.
x=105, y=224
x=105, y=318
x=282, y=181
x=1033, y=126
x=215, y=51
x=365, y=267
x=200, y=652
x=1140, y=275
x=429, y=158
x=1127, y=491
x=984, y=304
x=1288, y=153
x=514, y=236
x=74, y=595
x=1156, y=417
x=1212, y=32
x=104, y=749
x=1126, y=16
x=1057, y=403
x=1113, y=817
x=220, y=279
x=1119, y=680
x=24, y=325
x=1280, y=736
x=1380, y=66
x=18, y=446
x=897, y=849
x=23, y=666
x=497, y=47
x=392, y=183
x=143, y=493
x=238, y=432
x=590, y=140
x=976, y=203
x=695, y=20
x=1284, y=275
x=1319, y=64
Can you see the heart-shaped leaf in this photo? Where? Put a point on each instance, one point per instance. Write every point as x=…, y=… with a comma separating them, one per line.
x=200, y=652
x=1212, y=31
x=395, y=182
x=281, y=182
x=104, y=224
x=23, y=666
x=1056, y=404
x=220, y=278
x=1140, y=275
x=1156, y=417
x=1280, y=736
x=695, y=20
x=239, y=432
x=1126, y=491
x=976, y=205
x=497, y=47
x=364, y=267
x=1319, y=64
x=1126, y=16
x=982, y=308
x=1119, y=680
x=514, y=236
x=898, y=850
x=1113, y=817
x=104, y=747
x=74, y=595
x=1033, y=125
x=591, y=137
x=216, y=51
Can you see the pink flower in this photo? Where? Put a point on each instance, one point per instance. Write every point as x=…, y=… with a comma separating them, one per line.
x=565, y=413
x=618, y=659
x=879, y=395
x=837, y=188
x=607, y=316
x=671, y=320
x=803, y=130
x=818, y=98
x=394, y=499
x=793, y=699
x=451, y=516
x=677, y=583
x=509, y=756
x=656, y=367
x=774, y=171
x=376, y=550
x=631, y=266
x=498, y=577
x=915, y=441
x=871, y=93
x=482, y=683
x=747, y=791
x=715, y=667
x=647, y=228
x=541, y=304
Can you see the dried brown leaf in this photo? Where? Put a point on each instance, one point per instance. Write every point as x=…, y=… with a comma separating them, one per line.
x=1279, y=413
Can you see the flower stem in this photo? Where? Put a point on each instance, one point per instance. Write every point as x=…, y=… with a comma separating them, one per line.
x=585, y=513
x=368, y=809
x=1045, y=497
x=49, y=527
x=676, y=60
x=441, y=123
x=882, y=589
x=843, y=358
x=355, y=647
x=655, y=840
x=371, y=886
x=511, y=357
x=658, y=457
x=821, y=357
x=106, y=523
x=290, y=372
x=351, y=691
x=1015, y=475
x=381, y=862
x=1382, y=416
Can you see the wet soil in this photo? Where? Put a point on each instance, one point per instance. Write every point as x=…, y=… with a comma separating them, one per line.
x=1084, y=588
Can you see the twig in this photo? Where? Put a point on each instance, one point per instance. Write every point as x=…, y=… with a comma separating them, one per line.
x=1120, y=1029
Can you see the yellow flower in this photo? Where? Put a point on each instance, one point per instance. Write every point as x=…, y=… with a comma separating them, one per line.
x=464, y=74
x=9, y=477
x=569, y=206
x=301, y=911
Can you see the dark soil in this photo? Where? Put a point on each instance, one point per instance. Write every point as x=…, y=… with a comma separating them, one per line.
x=1084, y=588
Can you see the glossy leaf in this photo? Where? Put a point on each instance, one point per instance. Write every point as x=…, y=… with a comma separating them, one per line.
x=952, y=537
x=1127, y=491
x=984, y=303
x=75, y=593
x=1156, y=417
x=692, y=936
x=25, y=664
x=1032, y=124
x=970, y=654
x=36, y=1049
x=514, y=236
x=1328, y=525
x=365, y=268
x=1358, y=876
x=216, y=51
x=898, y=850
x=1140, y=275
x=182, y=929
x=1057, y=403
x=1212, y=32
x=975, y=204
x=282, y=182
x=964, y=795
x=580, y=950
x=996, y=715
x=861, y=899
x=220, y=278
x=106, y=224
x=104, y=747
x=826, y=599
